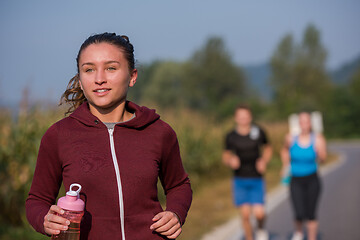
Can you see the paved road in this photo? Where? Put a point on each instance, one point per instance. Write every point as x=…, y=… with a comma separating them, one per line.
x=339, y=210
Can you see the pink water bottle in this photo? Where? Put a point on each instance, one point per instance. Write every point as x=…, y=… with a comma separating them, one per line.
x=74, y=210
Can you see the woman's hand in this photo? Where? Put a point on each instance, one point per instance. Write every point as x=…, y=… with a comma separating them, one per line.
x=320, y=146
x=167, y=223
x=54, y=223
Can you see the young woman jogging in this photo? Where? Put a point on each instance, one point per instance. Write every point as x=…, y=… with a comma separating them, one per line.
x=301, y=153
x=115, y=149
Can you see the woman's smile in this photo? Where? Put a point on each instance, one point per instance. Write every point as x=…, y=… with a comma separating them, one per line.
x=102, y=91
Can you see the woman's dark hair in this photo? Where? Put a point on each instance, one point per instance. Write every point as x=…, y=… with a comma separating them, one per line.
x=73, y=93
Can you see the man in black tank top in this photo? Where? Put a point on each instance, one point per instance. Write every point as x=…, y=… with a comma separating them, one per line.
x=247, y=152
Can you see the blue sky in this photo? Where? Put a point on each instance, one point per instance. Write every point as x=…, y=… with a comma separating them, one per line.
x=40, y=38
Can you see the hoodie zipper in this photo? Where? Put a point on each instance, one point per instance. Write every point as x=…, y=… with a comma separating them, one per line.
x=118, y=180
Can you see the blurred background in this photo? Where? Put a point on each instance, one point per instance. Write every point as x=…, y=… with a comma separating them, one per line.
x=197, y=60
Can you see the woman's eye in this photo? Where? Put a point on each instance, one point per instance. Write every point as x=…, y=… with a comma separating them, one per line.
x=111, y=68
x=89, y=70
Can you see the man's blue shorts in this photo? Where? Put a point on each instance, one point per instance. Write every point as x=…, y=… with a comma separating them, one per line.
x=248, y=191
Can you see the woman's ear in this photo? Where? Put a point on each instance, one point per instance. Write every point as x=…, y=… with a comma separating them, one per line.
x=133, y=77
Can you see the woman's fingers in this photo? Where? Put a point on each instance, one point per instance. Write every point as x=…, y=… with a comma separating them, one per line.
x=56, y=209
x=166, y=224
x=53, y=223
x=169, y=230
x=175, y=235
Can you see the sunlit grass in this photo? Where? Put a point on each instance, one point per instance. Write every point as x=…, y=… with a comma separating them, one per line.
x=201, y=141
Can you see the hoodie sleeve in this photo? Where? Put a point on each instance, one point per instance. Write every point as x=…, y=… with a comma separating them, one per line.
x=46, y=181
x=173, y=177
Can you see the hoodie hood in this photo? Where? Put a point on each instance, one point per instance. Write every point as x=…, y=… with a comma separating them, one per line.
x=143, y=116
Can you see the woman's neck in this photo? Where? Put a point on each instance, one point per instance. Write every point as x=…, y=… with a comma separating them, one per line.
x=305, y=133
x=304, y=138
x=117, y=114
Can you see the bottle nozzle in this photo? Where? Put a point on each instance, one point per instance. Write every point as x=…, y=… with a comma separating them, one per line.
x=72, y=192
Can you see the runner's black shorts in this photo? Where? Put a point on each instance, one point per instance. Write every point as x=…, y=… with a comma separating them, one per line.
x=305, y=193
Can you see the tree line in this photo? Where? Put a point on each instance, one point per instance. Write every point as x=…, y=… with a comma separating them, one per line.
x=211, y=83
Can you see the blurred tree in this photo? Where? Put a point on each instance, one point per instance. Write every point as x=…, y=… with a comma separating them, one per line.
x=355, y=86
x=213, y=84
x=281, y=79
x=145, y=71
x=299, y=75
x=165, y=85
x=343, y=111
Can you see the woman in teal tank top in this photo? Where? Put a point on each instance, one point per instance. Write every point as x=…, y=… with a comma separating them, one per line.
x=303, y=157
x=301, y=153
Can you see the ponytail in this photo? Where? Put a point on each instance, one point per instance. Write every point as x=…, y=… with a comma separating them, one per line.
x=73, y=94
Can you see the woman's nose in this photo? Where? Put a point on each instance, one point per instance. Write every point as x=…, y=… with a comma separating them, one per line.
x=100, y=77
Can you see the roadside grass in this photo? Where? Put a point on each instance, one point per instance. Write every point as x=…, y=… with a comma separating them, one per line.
x=201, y=141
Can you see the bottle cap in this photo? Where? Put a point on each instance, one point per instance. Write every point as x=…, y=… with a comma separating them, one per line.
x=72, y=201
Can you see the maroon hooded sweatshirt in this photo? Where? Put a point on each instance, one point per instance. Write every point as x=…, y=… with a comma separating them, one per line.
x=118, y=172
